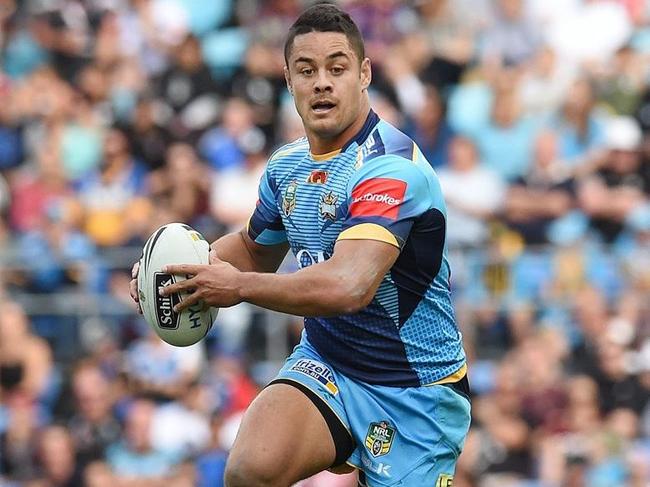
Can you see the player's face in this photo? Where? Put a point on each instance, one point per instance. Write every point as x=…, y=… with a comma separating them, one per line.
x=327, y=81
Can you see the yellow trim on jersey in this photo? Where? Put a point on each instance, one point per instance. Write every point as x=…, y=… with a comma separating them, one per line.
x=450, y=379
x=286, y=152
x=368, y=231
x=327, y=155
x=415, y=152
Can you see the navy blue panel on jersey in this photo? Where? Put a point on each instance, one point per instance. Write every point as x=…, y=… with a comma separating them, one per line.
x=419, y=261
x=364, y=349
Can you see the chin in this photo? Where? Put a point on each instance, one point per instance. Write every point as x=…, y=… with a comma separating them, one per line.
x=326, y=128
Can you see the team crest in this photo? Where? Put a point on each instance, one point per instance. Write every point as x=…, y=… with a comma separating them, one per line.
x=289, y=199
x=317, y=176
x=380, y=438
x=328, y=205
x=445, y=480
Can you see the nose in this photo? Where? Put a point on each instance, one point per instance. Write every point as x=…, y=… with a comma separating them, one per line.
x=323, y=82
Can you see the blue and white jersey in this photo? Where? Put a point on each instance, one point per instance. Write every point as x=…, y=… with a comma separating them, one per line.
x=380, y=187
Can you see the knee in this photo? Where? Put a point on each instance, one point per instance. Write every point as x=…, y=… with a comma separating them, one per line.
x=249, y=473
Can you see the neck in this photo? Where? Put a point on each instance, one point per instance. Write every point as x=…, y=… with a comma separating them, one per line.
x=322, y=145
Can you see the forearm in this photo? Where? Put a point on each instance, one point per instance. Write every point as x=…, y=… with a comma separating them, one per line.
x=318, y=290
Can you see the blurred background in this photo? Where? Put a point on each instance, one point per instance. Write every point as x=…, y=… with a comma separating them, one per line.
x=118, y=116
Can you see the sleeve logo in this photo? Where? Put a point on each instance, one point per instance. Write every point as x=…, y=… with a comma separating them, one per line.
x=379, y=197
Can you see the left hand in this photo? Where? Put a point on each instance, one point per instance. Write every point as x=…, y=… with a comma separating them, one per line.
x=214, y=284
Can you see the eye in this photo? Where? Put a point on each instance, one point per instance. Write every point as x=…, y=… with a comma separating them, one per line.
x=306, y=71
x=336, y=70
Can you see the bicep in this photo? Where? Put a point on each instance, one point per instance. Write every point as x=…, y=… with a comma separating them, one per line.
x=364, y=262
x=241, y=251
x=267, y=257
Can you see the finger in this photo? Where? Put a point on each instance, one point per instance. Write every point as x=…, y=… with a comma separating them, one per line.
x=183, y=269
x=178, y=287
x=187, y=302
x=134, y=270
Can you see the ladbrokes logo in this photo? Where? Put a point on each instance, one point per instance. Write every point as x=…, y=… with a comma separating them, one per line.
x=379, y=197
x=167, y=317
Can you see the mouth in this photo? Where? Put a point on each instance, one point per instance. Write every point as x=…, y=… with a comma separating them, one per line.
x=323, y=106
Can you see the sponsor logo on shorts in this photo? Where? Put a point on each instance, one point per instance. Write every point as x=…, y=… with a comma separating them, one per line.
x=445, y=480
x=318, y=371
x=379, y=197
x=380, y=468
x=166, y=316
x=379, y=438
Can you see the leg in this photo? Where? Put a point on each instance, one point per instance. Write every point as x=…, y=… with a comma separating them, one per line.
x=283, y=438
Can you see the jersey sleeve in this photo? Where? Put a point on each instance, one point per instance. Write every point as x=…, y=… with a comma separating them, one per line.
x=385, y=198
x=265, y=226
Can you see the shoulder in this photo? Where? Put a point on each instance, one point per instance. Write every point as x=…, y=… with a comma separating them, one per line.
x=291, y=151
x=385, y=140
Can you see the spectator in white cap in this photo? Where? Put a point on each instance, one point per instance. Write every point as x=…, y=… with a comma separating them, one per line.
x=621, y=185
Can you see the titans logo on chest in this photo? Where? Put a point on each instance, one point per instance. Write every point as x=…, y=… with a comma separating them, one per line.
x=328, y=205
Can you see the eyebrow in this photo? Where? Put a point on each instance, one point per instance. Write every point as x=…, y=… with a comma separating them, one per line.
x=336, y=54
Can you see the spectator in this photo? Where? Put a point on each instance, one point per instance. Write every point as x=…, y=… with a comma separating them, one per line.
x=622, y=183
x=513, y=38
x=25, y=359
x=505, y=142
x=160, y=370
x=93, y=427
x=430, y=129
x=56, y=456
x=147, y=138
x=542, y=195
x=134, y=459
x=580, y=130
x=189, y=92
x=211, y=465
x=473, y=194
x=226, y=146
x=182, y=184
x=112, y=196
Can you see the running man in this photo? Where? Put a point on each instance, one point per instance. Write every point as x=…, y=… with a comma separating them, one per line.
x=378, y=382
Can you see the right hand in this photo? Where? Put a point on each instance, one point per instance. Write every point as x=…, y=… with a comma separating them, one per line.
x=133, y=285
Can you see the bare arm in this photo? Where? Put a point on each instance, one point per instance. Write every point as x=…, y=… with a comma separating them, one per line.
x=343, y=284
x=239, y=250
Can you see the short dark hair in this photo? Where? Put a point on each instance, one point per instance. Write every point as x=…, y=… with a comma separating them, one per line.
x=326, y=17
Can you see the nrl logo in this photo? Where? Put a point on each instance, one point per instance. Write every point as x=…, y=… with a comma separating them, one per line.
x=289, y=199
x=379, y=438
x=328, y=205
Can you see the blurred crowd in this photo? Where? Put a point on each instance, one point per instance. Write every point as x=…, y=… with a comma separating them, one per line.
x=117, y=116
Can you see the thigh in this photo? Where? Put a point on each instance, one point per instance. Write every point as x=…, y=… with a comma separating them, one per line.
x=284, y=433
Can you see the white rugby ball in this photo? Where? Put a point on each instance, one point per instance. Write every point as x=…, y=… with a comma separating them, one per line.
x=175, y=243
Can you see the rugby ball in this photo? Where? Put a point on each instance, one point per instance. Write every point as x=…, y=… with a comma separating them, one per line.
x=175, y=243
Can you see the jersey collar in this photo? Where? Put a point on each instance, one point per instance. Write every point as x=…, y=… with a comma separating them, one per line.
x=371, y=120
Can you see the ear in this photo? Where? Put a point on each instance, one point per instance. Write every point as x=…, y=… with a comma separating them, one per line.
x=287, y=78
x=366, y=74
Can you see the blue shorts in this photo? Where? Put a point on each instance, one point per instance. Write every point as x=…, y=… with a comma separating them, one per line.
x=409, y=436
